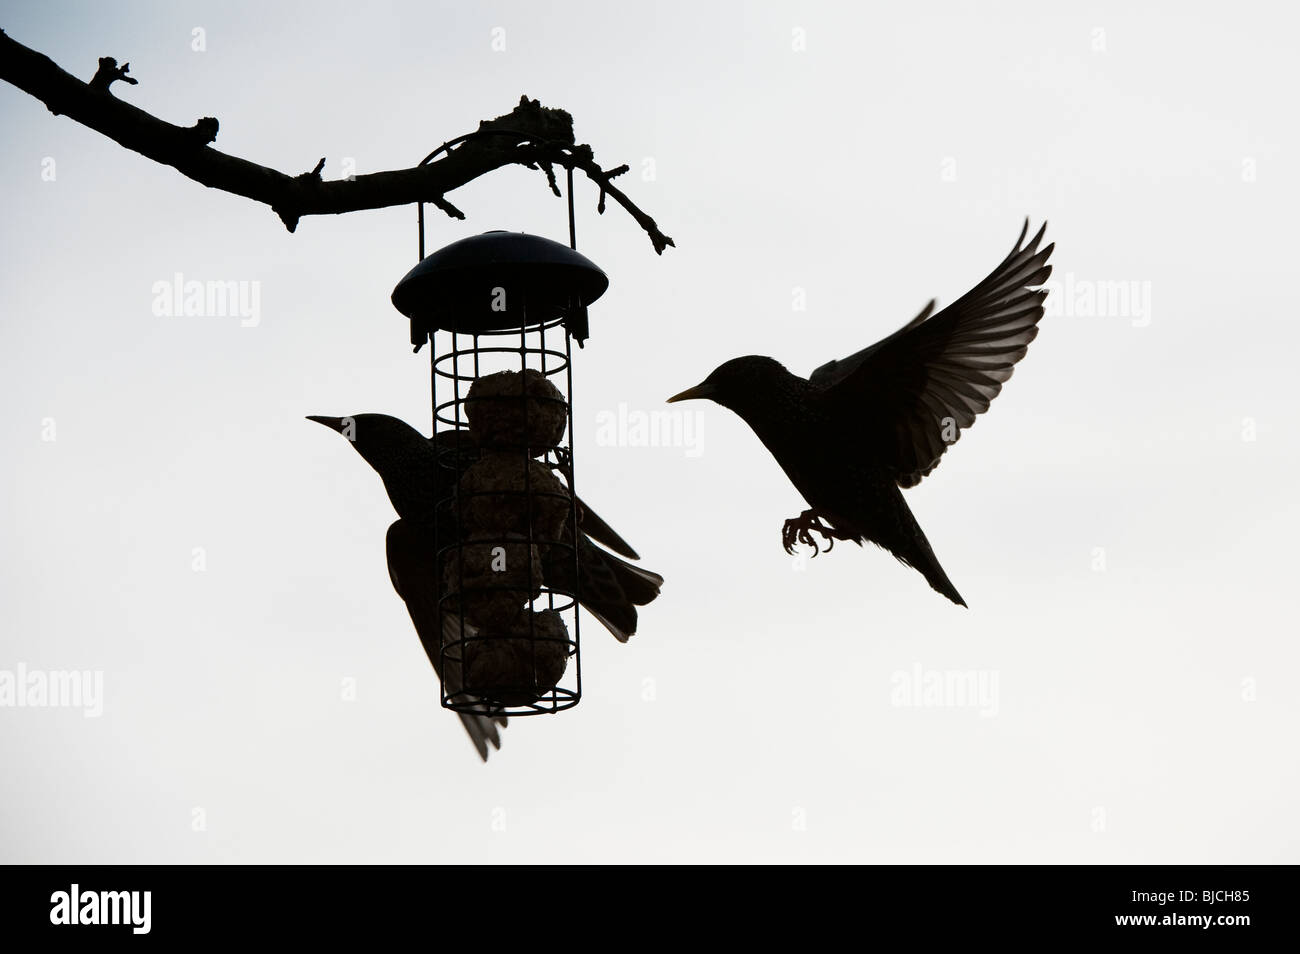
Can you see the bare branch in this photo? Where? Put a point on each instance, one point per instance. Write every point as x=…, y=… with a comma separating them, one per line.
x=531, y=135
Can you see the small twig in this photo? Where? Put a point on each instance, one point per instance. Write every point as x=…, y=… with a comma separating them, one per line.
x=109, y=73
x=315, y=173
x=447, y=207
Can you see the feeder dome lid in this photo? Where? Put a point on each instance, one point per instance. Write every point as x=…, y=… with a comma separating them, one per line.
x=497, y=281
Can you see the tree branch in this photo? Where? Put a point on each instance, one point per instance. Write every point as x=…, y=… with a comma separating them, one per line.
x=531, y=135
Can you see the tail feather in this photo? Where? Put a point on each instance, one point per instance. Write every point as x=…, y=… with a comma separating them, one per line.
x=640, y=585
x=902, y=536
x=917, y=553
x=482, y=729
x=612, y=589
x=923, y=560
x=608, y=588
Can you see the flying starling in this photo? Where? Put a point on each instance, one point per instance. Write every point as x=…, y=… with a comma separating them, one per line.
x=855, y=431
x=418, y=477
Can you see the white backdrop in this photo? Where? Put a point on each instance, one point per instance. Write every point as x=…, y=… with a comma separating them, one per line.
x=1121, y=522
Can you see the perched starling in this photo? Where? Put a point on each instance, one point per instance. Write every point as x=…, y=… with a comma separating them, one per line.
x=857, y=430
x=417, y=477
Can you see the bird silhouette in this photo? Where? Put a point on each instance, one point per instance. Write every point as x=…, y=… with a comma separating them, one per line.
x=858, y=429
x=420, y=479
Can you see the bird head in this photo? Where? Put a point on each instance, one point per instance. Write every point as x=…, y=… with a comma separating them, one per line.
x=401, y=455
x=369, y=432
x=739, y=384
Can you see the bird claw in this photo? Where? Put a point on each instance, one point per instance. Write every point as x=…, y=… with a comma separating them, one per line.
x=564, y=464
x=800, y=530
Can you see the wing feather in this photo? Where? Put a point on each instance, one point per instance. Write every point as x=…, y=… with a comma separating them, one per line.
x=918, y=389
x=411, y=569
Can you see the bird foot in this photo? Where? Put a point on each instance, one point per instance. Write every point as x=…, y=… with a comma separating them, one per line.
x=563, y=463
x=800, y=530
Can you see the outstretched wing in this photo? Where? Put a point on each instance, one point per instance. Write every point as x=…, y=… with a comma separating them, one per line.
x=411, y=568
x=833, y=372
x=918, y=389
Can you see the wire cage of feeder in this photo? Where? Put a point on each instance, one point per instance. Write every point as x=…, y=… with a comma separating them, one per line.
x=500, y=312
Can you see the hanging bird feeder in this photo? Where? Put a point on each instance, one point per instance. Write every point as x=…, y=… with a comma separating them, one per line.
x=500, y=312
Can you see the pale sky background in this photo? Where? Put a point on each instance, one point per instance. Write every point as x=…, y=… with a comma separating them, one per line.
x=1122, y=521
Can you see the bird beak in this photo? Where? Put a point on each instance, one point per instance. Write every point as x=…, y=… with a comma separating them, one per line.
x=699, y=392
x=333, y=423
